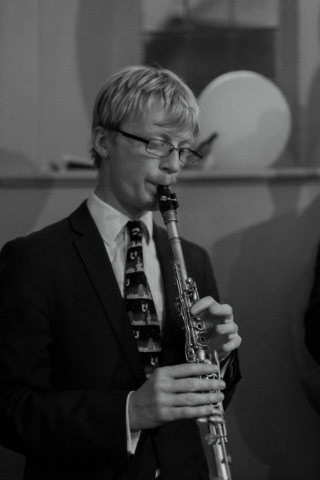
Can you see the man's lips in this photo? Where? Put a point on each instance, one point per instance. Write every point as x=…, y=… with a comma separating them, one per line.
x=164, y=182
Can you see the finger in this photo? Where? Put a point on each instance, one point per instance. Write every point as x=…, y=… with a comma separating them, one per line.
x=221, y=310
x=232, y=344
x=202, y=305
x=185, y=370
x=193, y=384
x=197, y=399
x=192, y=412
x=214, y=307
x=227, y=328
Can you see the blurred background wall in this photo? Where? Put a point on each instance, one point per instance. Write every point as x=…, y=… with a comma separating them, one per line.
x=260, y=229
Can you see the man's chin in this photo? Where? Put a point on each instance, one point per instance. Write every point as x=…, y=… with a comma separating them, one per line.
x=153, y=205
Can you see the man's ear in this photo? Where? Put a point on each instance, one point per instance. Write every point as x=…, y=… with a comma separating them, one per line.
x=99, y=141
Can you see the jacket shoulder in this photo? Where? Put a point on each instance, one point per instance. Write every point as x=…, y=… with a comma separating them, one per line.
x=56, y=231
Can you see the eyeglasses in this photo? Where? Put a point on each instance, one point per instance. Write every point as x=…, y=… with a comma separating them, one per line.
x=160, y=148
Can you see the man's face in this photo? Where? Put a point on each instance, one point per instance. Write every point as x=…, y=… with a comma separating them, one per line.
x=129, y=175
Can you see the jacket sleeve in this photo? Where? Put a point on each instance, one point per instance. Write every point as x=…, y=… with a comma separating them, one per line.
x=37, y=420
x=312, y=316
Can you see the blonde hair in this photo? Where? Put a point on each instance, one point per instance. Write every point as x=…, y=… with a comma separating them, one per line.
x=135, y=90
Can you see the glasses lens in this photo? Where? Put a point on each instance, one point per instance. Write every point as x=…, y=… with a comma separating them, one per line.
x=158, y=147
x=187, y=155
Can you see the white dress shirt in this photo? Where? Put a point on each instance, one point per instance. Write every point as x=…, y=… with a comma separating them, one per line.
x=112, y=227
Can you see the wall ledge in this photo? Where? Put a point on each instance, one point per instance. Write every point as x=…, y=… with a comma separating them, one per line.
x=83, y=179
x=43, y=179
x=250, y=173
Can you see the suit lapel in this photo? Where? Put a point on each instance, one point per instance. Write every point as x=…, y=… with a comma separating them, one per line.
x=93, y=254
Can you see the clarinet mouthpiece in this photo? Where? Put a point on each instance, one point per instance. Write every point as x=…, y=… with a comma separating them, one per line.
x=166, y=200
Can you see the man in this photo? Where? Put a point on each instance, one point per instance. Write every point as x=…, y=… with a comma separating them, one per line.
x=80, y=397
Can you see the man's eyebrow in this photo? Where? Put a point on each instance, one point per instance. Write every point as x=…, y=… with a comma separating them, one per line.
x=167, y=137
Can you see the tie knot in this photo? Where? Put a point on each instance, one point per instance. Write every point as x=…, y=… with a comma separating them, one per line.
x=135, y=228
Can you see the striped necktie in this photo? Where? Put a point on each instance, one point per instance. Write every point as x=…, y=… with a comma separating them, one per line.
x=139, y=303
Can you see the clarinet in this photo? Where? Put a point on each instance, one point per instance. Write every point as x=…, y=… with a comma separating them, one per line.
x=196, y=349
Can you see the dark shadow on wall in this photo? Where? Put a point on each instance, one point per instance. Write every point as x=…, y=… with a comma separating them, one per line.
x=264, y=265
x=312, y=116
x=18, y=214
x=13, y=163
x=107, y=39
x=92, y=42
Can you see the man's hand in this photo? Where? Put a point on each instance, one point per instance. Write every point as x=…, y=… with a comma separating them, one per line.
x=173, y=393
x=222, y=332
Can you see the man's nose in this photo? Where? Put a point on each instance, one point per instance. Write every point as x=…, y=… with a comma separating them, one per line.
x=172, y=163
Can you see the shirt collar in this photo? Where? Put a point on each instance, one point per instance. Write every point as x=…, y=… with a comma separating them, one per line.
x=110, y=222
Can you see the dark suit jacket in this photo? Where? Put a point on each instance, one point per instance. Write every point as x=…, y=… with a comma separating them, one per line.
x=312, y=316
x=68, y=358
